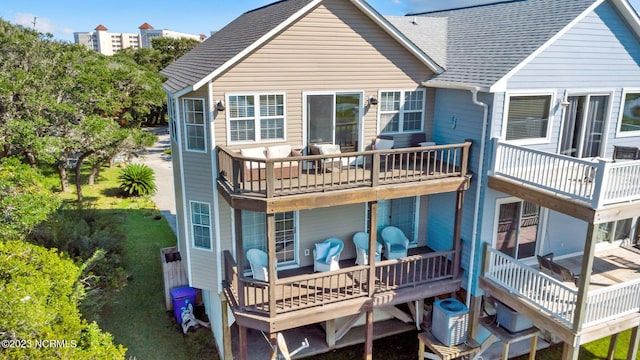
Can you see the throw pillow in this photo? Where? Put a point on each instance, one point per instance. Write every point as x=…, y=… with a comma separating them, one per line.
x=321, y=250
x=333, y=251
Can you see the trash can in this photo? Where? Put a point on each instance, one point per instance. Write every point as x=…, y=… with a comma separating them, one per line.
x=181, y=297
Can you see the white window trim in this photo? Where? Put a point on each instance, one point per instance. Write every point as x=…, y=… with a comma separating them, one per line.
x=172, y=108
x=191, y=225
x=186, y=124
x=552, y=112
x=619, y=133
x=401, y=111
x=542, y=225
x=257, y=118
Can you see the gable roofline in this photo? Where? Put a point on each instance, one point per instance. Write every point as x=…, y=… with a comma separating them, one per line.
x=623, y=6
x=398, y=35
x=363, y=6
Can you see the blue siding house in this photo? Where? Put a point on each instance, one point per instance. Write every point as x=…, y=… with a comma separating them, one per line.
x=546, y=90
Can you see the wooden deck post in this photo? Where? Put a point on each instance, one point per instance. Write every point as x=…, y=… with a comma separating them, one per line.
x=373, y=241
x=569, y=352
x=226, y=329
x=368, y=337
x=613, y=343
x=271, y=251
x=243, y=343
x=633, y=343
x=237, y=222
x=457, y=241
x=585, y=276
x=330, y=333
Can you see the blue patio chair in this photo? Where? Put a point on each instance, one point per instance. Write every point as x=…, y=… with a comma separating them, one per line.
x=326, y=255
x=395, y=242
x=361, y=241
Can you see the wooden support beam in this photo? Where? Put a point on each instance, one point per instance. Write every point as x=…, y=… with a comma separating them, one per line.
x=273, y=341
x=243, y=344
x=397, y=313
x=237, y=225
x=633, y=343
x=570, y=352
x=457, y=229
x=585, y=278
x=368, y=337
x=270, y=228
x=613, y=343
x=373, y=225
x=226, y=329
x=330, y=333
x=475, y=312
x=344, y=329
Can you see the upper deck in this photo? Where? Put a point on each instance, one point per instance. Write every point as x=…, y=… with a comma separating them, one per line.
x=312, y=181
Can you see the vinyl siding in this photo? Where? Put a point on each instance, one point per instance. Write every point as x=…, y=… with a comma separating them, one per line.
x=598, y=53
x=334, y=48
x=198, y=184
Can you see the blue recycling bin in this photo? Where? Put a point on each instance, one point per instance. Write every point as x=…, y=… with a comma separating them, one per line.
x=181, y=297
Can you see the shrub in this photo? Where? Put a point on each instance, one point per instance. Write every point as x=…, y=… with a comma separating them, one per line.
x=137, y=180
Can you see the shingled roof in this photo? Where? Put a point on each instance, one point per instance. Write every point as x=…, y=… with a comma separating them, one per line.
x=227, y=43
x=485, y=42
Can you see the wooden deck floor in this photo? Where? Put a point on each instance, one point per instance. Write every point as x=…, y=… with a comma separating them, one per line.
x=610, y=266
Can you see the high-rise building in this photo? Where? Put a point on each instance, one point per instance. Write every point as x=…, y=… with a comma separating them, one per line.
x=108, y=43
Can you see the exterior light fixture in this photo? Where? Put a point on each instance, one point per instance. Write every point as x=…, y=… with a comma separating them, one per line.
x=373, y=100
x=220, y=106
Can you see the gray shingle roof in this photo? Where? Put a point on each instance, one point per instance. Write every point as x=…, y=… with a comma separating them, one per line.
x=485, y=42
x=227, y=43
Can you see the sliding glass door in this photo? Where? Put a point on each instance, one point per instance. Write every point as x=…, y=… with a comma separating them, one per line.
x=334, y=118
x=584, y=126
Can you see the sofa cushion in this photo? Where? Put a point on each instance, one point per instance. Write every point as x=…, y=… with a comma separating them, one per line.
x=329, y=149
x=257, y=153
x=278, y=151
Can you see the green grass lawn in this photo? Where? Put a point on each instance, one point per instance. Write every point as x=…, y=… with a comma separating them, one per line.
x=138, y=319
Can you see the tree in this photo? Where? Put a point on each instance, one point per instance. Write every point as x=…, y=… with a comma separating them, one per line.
x=171, y=49
x=39, y=313
x=24, y=200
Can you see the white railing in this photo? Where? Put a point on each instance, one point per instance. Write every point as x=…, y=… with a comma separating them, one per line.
x=524, y=281
x=596, y=182
x=612, y=302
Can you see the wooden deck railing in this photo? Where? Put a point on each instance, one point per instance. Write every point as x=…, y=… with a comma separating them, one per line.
x=557, y=299
x=321, y=173
x=318, y=289
x=598, y=183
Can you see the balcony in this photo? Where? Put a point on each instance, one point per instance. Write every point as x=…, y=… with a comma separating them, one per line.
x=611, y=294
x=311, y=297
x=597, y=183
x=368, y=175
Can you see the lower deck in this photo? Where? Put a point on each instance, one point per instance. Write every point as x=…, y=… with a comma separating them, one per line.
x=612, y=300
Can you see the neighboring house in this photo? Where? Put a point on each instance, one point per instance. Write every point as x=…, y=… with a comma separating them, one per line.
x=548, y=91
x=545, y=90
x=108, y=43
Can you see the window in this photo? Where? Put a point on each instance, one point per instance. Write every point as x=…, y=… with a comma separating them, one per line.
x=614, y=231
x=517, y=228
x=528, y=117
x=401, y=111
x=201, y=225
x=171, y=109
x=630, y=114
x=256, y=117
x=401, y=213
x=194, y=124
x=253, y=234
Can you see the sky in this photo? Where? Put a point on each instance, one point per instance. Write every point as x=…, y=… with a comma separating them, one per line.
x=64, y=17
